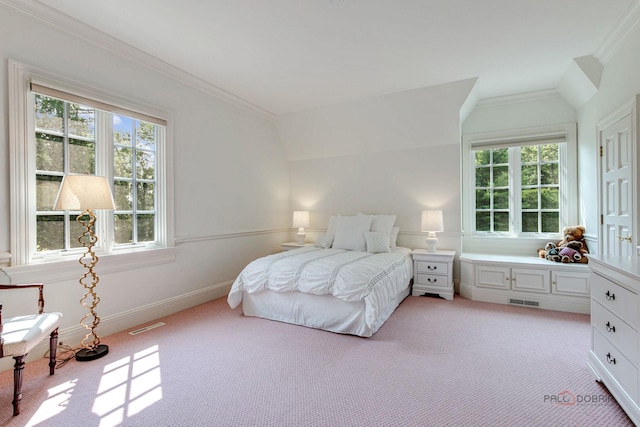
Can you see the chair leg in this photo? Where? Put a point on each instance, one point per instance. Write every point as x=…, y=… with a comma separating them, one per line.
x=17, y=383
x=53, y=347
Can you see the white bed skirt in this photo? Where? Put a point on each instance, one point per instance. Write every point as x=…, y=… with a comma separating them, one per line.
x=317, y=311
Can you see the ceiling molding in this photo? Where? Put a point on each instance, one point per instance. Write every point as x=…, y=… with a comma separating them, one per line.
x=50, y=16
x=518, y=98
x=618, y=34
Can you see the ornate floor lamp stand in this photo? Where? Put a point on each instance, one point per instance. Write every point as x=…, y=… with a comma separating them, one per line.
x=91, y=346
x=87, y=193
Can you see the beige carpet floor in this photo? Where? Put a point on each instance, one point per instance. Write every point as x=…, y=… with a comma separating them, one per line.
x=434, y=363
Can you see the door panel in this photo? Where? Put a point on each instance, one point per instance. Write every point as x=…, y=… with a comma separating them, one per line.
x=616, y=164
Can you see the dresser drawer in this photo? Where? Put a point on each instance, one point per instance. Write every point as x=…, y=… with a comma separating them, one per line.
x=620, y=301
x=618, y=365
x=432, y=280
x=623, y=336
x=429, y=267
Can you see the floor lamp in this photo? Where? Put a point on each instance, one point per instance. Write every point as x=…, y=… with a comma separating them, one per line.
x=87, y=193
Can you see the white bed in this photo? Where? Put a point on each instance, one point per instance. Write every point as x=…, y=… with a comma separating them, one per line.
x=344, y=291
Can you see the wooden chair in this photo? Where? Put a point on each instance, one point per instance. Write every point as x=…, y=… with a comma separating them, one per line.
x=20, y=334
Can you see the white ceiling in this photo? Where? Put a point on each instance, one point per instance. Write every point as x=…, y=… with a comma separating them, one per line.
x=291, y=55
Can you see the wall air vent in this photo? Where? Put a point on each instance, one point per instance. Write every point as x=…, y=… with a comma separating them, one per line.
x=524, y=302
x=146, y=328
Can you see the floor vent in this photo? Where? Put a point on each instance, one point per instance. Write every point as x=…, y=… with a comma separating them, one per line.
x=146, y=328
x=524, y=302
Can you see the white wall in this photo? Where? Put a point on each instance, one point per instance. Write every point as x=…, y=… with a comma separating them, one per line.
x=395, y=154
x=519, y=112
x=619, y=84
x=231, y=179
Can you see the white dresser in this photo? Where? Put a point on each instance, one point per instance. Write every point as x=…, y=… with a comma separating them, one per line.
x=614, y=358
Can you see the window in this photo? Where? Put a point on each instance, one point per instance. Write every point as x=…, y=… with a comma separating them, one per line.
x=519, y=184
x=61, y=129
x=67, y=142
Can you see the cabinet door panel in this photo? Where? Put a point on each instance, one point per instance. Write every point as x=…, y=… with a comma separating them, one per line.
x=570, y=283
x=530, y=280
x=493, y=277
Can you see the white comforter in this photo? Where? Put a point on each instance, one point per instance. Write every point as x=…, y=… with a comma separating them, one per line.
x=347, y=275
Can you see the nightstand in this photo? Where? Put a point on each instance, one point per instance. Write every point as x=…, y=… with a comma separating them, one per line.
x=433, y=273
x=293, y=245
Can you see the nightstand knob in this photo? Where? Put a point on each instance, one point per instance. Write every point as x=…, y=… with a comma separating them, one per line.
x=610, y=296
x=430, y=280
x=610, y=359
x=432, y=267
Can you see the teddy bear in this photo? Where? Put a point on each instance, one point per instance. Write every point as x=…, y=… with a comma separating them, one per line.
x=571, y=248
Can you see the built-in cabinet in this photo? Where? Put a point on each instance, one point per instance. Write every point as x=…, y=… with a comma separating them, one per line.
x=614, y=357
x=527, y=281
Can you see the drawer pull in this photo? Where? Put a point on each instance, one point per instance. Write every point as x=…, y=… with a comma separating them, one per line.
x=610, y=328
x=432, y=267
x=610, y=359
x=610, y=296
x=430, y=280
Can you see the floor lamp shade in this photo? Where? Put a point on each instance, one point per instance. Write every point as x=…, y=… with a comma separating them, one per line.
x=82, y=192
x=87, y=193
x=300, y=221
x=432, y=223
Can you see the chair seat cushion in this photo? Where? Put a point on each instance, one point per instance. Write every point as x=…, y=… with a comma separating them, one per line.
x=22, y=333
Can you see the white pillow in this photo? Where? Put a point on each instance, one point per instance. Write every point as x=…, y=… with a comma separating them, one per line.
x=377, y=242
x=394, y=236
x=382, y=223
x=350, y=232
x=324, y=242
x=331, y=228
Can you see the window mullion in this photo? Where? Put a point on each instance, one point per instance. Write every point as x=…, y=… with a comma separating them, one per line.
x=515, y=190
x=104, y=167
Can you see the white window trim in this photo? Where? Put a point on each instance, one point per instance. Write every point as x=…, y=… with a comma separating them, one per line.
x=22, y=164
x=569, y=185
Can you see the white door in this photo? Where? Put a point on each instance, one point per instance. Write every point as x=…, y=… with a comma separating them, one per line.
x=616, y=204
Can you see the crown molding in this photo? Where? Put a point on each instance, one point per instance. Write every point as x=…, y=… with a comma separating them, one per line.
x=50, y=16
x=618, y=34
x=518, y=98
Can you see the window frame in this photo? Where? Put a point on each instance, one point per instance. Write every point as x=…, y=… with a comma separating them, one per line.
x=568, y=167
x=22, y=167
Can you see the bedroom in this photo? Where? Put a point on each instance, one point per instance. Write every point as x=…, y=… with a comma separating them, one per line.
x=265, y=163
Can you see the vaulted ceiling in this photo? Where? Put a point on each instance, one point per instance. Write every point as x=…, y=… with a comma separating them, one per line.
x=292, y=55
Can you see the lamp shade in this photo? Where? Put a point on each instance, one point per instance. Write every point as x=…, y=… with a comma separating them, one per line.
x=432, y=221
x=300, y=219
x=82, y=192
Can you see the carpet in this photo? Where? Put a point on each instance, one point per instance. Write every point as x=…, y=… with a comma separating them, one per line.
x=433, y=363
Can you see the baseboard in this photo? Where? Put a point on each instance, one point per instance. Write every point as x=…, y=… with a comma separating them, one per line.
x=546, y=301
x=129, y=319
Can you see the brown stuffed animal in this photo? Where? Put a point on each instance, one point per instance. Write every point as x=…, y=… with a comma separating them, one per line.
x=573, y=233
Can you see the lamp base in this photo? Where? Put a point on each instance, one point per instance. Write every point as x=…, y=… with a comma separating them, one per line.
x=301, y=236
x=431, y=244
x=87, y=354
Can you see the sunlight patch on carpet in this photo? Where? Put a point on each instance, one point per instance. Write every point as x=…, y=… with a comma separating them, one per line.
x=56, y=402
x=128, y=386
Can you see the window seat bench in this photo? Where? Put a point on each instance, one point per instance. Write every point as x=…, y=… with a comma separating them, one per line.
x=525, y=281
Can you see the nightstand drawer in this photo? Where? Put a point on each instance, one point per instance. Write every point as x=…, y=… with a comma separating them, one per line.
x=432, y=280
x=430, y=267
x=618, y=365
